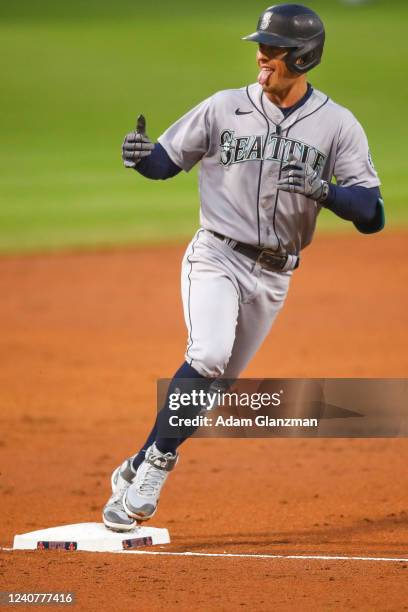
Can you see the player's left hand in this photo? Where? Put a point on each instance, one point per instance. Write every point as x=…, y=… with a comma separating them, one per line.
x=298, y=177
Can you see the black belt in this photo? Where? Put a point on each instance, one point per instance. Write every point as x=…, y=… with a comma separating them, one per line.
x=264, y=257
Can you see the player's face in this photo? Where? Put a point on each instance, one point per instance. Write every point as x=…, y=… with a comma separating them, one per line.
x=274, y=75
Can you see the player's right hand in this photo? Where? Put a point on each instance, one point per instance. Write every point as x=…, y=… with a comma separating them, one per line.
x=134, y=148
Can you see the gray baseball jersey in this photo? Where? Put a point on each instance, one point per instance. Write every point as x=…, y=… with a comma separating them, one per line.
x=242, y=139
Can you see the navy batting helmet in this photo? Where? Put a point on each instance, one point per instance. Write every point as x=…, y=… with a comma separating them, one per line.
x=295, y=27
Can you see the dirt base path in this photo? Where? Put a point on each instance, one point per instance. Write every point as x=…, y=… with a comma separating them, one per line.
x=84, y=338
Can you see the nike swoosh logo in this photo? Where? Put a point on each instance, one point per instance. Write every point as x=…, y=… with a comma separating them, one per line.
x=238, y=112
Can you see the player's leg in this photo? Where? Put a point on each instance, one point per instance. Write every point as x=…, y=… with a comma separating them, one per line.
x=211, y=298
x=211, y=304
x=230, y=305
x=257, y=314
x=185, y=374
x=114, y=514
x=159, y=455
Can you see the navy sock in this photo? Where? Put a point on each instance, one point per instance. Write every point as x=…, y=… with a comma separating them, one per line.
x=139, y=458
x=185, y=379
x=164, y=444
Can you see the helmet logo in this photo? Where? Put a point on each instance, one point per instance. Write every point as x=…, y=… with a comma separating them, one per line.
x=266, y=20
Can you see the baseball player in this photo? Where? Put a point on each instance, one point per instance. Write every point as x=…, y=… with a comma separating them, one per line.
x=268, y=153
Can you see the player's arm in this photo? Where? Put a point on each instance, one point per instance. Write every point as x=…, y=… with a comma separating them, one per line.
x=361, y=205
x=157, y=165
x=356, y=197
x=180, y=147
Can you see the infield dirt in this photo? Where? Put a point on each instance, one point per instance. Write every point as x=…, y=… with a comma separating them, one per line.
x=84, y=338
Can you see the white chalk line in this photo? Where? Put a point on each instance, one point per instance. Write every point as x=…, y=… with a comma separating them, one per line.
x=250, y=555
x=262, y=556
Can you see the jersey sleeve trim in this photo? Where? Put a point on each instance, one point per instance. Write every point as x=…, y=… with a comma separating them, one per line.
x=167, y=148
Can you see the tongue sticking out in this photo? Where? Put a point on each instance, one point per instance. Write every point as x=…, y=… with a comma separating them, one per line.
x=263, y=76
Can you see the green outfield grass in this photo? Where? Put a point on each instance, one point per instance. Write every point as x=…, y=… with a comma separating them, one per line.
x=75, y=75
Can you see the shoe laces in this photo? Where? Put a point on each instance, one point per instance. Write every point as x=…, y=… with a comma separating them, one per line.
x=152, y=478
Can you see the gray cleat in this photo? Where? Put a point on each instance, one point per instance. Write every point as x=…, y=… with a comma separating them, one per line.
x=114, y=515
x=142, y=496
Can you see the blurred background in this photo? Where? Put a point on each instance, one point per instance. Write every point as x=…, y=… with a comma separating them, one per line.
x=76, y=74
